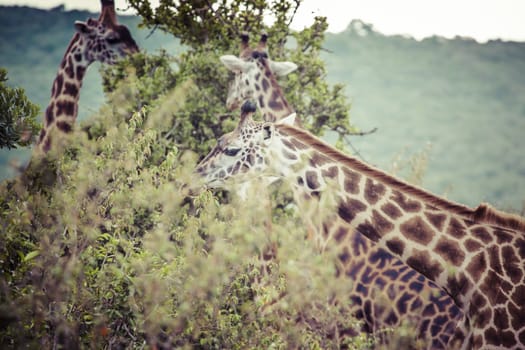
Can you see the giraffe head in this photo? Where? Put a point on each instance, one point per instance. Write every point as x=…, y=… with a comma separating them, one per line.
x=104, y=39
x=244, y=153
x=254, y=71
x=101, y=39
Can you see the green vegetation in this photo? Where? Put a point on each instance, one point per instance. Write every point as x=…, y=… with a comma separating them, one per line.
x=116, y=253
x=17, y=116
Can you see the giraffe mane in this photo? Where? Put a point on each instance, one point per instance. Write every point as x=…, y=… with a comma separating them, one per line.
x=484, y=213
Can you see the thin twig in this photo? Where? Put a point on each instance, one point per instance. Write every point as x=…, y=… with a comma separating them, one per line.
x=326, y=50
x=297, y=4
x=152, y=31
x=219, y=17
x=347, y=141
x=362, y=133
x=124, y=9
x=354, y=150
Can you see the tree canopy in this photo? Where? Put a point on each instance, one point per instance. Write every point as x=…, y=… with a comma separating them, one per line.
x=209, y=29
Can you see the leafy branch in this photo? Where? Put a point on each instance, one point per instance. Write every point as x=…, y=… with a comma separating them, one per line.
x=17, y=116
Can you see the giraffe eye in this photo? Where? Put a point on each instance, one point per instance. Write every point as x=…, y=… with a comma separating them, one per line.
x=112, y=40
x=231, y=152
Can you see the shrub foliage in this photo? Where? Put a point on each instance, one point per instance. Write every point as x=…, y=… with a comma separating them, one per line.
x=117, y=254
x=17, y=116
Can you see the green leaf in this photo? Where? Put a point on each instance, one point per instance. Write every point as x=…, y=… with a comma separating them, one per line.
x=31, y=255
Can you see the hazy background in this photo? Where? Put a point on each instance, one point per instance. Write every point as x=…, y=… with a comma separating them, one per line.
x=479, y=19
x=460, y=100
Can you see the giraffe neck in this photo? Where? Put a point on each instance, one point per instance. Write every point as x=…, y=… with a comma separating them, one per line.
x=269, y=96
x=62, y=110
x=444, y=241
x=364, y=206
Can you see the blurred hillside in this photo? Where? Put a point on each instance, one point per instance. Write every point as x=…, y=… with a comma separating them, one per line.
x=463, y=98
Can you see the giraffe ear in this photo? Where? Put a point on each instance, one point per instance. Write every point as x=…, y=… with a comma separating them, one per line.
x=282, y=68
x=289, y=120
x=82, y=27
x=234, y=63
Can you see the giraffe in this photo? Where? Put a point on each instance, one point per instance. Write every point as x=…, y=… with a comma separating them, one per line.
x=244, y=155
x=101, y=40
x=256, y=78
x=459, y=248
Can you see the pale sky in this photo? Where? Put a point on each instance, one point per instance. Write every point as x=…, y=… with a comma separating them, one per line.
x=478, y=19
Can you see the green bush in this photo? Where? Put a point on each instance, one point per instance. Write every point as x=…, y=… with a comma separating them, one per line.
x=115, y=252
x=17, y=116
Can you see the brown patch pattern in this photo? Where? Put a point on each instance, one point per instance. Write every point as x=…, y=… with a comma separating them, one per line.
x=331, y=172
x=64, y=126
x=71, y=89
x=351, y=181
x=47, y=144
x=318, y=160
x=450, y=251
x=483, y=317
x=66, y=108
x=517, y=307
x=311, y=180
x=482, y=233
x=501, y=319
x=500, y=338
x=349, y=208
x=494, y=287
x=57, y=86
x=417, y=230
x=511, y=264
x=457, y=284
x=382, y=225
x=80, y=72
x=275, y=105
x=396, y=246
x=298, y=144
x=478, y=301
x=502, y=236
x=288, y=144
x=340, y=234
x=369, y=230
x=69, y=68
x=391, y=210
x=456, y=228
x=289, y=155
x=472, y=245
x=50, y=117
x=405, y=203
x=477, y=266
x=42, y=135
x=436, y=219
x=422, y=261
x=373, y=192
x=494, y=259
